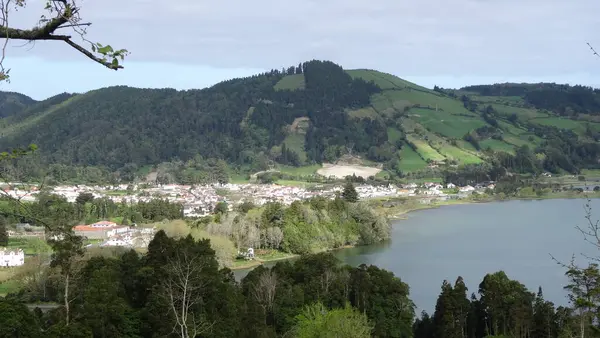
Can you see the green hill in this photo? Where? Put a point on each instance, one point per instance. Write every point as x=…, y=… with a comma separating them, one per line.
x=313, y=113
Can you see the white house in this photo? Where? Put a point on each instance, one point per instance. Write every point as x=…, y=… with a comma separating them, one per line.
x=12, y=257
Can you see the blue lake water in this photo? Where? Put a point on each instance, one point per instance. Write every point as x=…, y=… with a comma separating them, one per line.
x=471, y=240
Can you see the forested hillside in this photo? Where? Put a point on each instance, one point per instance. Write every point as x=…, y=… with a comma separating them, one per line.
x=308, y=114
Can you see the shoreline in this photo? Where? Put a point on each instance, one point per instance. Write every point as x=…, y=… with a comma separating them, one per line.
x=400, y=215
x=416, y=206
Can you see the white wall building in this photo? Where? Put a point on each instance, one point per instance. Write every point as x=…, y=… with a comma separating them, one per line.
x=10, y=258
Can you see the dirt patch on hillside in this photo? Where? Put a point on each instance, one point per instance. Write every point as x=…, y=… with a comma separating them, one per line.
x=300, y=124
x=341, y=171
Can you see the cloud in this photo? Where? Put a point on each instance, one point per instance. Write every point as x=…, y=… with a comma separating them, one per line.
x=412, y=38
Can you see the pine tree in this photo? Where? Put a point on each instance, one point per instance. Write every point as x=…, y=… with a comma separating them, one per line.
x=349, y=194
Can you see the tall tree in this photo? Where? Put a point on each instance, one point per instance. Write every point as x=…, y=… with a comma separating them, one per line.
x=349, y=193
x=68, y=249
x=544, y=323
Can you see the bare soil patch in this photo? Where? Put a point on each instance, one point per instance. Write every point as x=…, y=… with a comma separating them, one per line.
x=341, y=171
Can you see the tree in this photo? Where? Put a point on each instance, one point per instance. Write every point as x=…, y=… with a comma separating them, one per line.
x=3, y=232
x=316, y=321
x=349, y=194
x=264, y=291
x=183, y=289
x=584, y=295
x=59, y=14
x=17, y=321
x=68, y=248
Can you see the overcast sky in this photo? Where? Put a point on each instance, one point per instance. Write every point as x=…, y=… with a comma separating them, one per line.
x=195, y=43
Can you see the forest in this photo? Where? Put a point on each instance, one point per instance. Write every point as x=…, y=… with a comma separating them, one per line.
x=235, y=121
x=562, y=99
x=176, y=289
x=180, y=286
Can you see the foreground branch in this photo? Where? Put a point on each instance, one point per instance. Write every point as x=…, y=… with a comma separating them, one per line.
x=65, y=15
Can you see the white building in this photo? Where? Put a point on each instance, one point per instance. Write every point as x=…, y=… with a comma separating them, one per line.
x=10, y=258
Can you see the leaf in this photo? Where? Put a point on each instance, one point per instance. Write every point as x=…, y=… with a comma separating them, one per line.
x=105, y=50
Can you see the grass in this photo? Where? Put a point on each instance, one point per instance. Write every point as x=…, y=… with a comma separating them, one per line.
x=9, y=286
x=295, y=142
x=384, y=80
x=458, y=154
x=30, y=245
x=497, y=145
x=517, y=100
x=300, y=171
x=368, y=112
x=261, y=256
x=425, y=150
x=448, y=105
x=444, y=123
x=394, y=134
x=387, y=104
x=290, y=183
x=410, y=160
x=290, y=82
x=522, y=113
x=576, y=126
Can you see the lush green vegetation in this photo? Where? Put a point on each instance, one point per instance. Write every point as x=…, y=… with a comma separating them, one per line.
x=176, y=289
x=297, y=117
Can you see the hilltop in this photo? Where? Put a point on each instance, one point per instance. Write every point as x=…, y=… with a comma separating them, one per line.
x=304, y=116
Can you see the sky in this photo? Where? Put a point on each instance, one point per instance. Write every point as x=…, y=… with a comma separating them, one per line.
x=187, y=44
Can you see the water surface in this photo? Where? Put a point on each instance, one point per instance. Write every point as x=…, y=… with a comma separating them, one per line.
x=471, y=240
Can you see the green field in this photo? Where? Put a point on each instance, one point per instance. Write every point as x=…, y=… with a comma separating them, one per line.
x=522, y=113
x=290, y=82
x=387, y=103
x=384, y=80
x=393, y=134
x=300, y=171
x=497, y=145
x=295, y=142
x=458, y=154
x=363, y=112
x=445, y=124
x=410, y=160
x=30, y=245
x=576, y=126
x=425, y=150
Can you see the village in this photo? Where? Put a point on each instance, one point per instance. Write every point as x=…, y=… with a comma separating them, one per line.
x=199, y=201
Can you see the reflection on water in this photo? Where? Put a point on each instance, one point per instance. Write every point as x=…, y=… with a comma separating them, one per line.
x=472, y=240
x=362, y=254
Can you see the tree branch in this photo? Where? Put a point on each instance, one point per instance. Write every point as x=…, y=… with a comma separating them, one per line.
x=593, y=50
x=65, y=15
x=92, y=56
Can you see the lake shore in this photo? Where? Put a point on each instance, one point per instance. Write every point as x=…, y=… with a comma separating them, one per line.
x=401, y=211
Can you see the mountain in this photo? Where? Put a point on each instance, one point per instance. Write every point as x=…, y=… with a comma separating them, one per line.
x=12, y=103
x=312, y=113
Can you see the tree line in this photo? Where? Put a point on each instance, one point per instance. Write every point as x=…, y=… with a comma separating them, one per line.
x=176, y=289
x=562, y=99
x=238, y=121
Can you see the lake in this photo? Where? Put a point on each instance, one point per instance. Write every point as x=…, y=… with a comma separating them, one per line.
x=474, y=239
